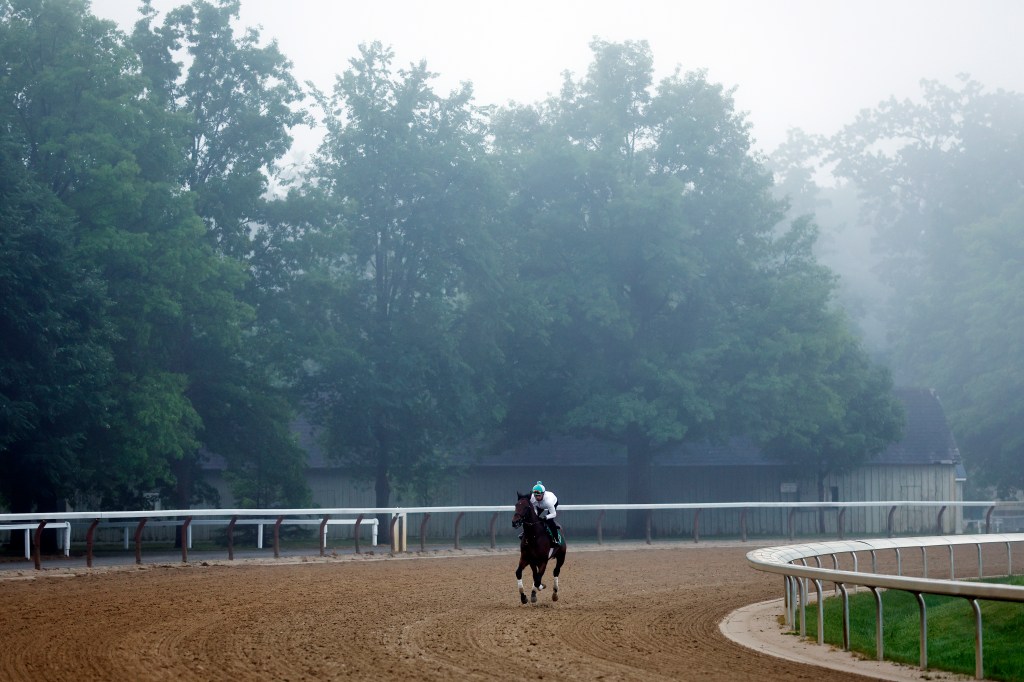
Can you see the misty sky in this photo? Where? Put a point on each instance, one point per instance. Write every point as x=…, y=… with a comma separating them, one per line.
x=810, y=64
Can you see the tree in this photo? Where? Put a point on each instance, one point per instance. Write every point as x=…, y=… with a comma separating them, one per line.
x=404, y=172
x=91, y=129
x=54, y=358
x=651, y=236
x=233, y=106
x=982, y=364
x=75, y=116
x=936, y=176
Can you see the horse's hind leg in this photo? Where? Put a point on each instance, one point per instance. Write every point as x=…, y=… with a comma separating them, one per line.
x=559, y=560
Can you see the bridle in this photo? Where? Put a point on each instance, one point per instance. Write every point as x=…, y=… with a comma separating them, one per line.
x=519, y=518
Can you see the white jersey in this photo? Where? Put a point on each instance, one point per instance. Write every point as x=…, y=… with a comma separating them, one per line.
x=545, y=506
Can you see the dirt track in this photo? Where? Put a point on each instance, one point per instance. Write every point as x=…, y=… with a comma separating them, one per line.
x=647, y=614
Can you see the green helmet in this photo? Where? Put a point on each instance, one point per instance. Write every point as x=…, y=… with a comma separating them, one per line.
x=539, y=488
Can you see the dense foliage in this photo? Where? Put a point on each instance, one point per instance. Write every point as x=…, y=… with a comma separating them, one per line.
x=941, y=187
x=441, y=280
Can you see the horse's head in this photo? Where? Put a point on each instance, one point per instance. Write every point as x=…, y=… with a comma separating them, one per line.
x=523, y=510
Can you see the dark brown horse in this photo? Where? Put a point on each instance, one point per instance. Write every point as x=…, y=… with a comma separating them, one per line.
x=536, y=548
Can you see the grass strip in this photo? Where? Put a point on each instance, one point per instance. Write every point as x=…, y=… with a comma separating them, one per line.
x=950, y=630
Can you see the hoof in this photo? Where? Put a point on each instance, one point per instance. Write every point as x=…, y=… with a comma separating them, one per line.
x=554, y=597
x=522, y=597
x=533, y=597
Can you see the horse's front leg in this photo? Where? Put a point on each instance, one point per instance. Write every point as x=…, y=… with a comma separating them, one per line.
x=519, y=577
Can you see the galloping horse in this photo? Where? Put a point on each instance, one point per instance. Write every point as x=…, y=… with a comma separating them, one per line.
x=536, y=548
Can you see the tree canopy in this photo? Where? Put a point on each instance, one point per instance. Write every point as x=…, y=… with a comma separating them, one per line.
x=441, y=280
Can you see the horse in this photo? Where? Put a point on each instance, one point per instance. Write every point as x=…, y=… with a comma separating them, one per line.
x=536, y=548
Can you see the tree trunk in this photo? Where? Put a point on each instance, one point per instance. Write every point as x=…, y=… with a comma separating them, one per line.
x=382, y=488
x=183, y=480
x=37, y=498
x=638, y=481
x=821, y=498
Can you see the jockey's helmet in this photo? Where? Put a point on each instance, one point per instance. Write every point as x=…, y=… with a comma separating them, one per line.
x=538, y=489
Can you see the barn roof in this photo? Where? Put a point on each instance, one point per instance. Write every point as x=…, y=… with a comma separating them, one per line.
x=927, y=439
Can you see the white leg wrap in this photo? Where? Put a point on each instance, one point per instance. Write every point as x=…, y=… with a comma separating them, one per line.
x=520, y=581
x=556, y=583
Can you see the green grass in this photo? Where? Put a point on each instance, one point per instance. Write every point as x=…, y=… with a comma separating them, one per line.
x=950, y=630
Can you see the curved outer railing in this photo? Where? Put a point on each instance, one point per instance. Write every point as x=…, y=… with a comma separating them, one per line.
x=781, y=560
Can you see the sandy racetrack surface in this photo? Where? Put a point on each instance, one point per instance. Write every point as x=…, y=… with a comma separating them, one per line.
x=646, y=614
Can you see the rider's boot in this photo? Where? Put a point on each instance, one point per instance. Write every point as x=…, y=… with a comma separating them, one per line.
x=553, y=529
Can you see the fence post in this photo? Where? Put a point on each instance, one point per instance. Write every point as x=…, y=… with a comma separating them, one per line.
x=36, y=539
x=458, y=526
x=88, y=542
x=923, y=648
x=184, y=539
x=394, y=541
x=138, y=540
x=600, y=521
x=323, y=530
x=277, y=537
x=355, y=532
x=423, y=532
x=231, y=538
x=979, y=656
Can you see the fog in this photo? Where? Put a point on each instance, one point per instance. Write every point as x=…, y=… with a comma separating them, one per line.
x=794, y=63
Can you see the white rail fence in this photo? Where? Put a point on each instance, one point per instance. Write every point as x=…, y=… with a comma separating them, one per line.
x=398, y=519
x=791, y=562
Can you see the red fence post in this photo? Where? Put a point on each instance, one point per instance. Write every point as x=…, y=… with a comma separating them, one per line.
x=277, y=537
x=231, y=538
x=423, y=531
x=323, y=525
x=88, y=542
x=355, y=532
x=494, y=519
x=395, y=542
x=138, y=540
x=184, y=539
x=36, y=538
x=458, y=522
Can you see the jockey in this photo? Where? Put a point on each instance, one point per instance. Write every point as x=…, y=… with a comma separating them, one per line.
x=545, y=502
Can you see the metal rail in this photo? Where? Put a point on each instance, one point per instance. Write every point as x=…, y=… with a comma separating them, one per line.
x=781, y=560
x=399, y=517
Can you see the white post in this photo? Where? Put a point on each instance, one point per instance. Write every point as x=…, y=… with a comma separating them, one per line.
x=259, y=537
